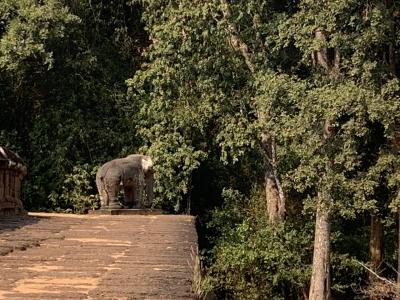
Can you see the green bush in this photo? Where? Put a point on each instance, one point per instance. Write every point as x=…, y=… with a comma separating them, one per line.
x=78, y=193
x=260, y=262
x=252, y=259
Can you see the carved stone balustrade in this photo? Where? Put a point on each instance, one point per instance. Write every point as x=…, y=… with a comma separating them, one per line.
x=12, y=171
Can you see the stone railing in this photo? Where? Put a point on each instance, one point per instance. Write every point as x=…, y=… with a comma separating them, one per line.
x=12, y=171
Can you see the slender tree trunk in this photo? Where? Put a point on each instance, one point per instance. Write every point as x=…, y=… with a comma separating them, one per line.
x=398, y=251
x=375, y=248
x=392, y=59
x=391, y=53
x=234, y=39
x=320, y=57
x=275, y=207
x=275, y=198
x=320, y=285
x=376, y=243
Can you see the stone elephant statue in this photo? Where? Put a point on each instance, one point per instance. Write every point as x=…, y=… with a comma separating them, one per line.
x=134, y=174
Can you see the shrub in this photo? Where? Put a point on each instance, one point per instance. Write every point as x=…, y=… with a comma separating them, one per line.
x=252, y=259
x=78, y=192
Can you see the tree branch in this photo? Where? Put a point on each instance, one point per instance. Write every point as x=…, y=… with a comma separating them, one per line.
x=376, y=275
x=234, y=39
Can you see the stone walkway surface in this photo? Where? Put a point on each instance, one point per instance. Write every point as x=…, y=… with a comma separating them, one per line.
x=61, y=256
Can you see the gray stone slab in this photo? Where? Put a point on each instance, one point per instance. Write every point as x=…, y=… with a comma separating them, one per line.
x=126, y=211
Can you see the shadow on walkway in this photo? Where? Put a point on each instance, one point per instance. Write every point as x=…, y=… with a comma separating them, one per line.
x=26, y=238
x=10, y=223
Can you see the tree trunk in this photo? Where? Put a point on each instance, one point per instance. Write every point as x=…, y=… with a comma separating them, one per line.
x=320, y=285
x=398, y=249
x=275, y=207
x=376, y=244
x=392, y=59
x=234, y=39
x=375, y=249
x=320, y=57
x=275, y=198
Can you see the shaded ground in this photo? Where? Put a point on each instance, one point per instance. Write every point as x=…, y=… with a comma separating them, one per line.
x=56, y=256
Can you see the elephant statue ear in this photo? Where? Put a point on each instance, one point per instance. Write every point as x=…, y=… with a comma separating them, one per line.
x=147, y=163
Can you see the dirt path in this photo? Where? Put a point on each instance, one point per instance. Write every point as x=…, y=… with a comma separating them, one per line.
x=56, y=256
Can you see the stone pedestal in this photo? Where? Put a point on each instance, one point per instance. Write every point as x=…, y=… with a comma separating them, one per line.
x=123, y=211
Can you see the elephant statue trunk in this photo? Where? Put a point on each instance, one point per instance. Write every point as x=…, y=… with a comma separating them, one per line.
x=134, y=174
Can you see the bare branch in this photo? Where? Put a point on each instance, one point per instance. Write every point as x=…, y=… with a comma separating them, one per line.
x=376, y=275
x=234, y=39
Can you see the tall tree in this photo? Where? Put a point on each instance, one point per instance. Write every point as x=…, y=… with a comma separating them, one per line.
x=333, y=24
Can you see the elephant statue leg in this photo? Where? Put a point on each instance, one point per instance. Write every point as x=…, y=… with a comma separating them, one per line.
x=138, y=196
x=146, y=179
x=133, y=188
x=102, y=192
x=149, y=179
x=112, y=186
x=129, y=196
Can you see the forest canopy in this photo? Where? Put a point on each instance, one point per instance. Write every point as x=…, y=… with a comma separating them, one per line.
x=277, y=123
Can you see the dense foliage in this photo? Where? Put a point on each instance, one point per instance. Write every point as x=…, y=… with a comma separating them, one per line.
x=63, y=67
x=199, y=85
